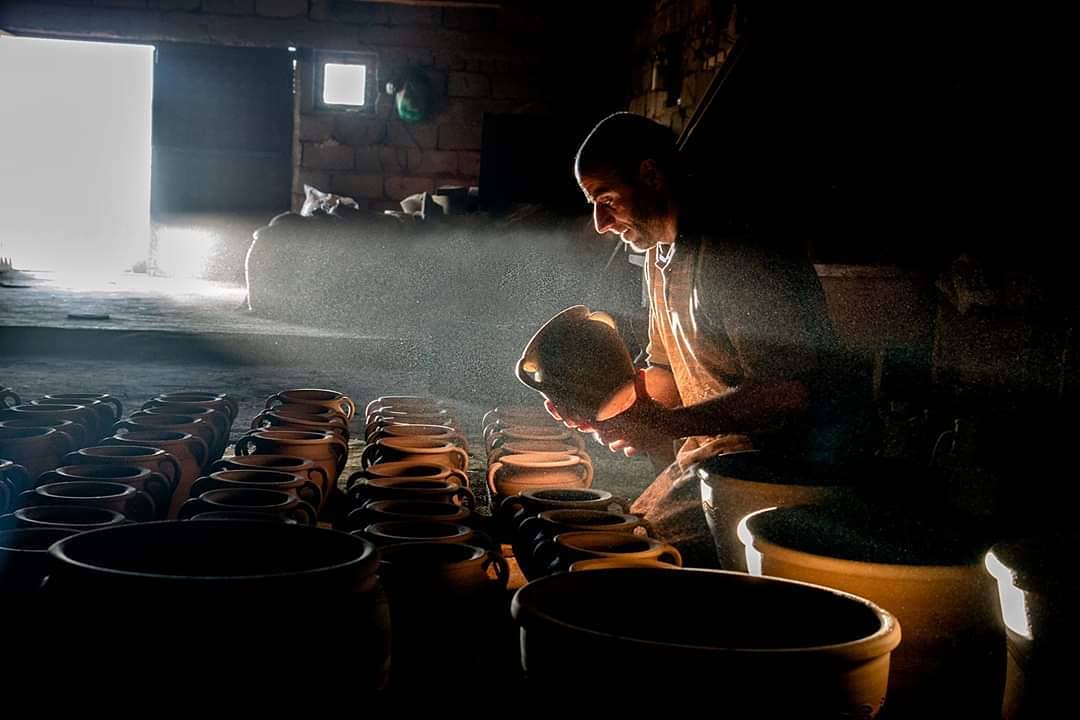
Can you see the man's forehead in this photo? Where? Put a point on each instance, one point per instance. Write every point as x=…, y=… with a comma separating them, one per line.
x=597, y=184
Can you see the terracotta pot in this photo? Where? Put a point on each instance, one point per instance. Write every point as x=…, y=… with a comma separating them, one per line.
x=609, y=564
x=144, y=456
x=728, y=498
x=419, y=449
x=534, y=433
x=565, y=549
x=412, y=568
x=222, y=401
x=301, y=467
x=404, y=488
x=304, y=490
x=551, y=448
x=325, y=449
x=548, y=524
x=153, y=484
x=1037, y=594
x=443, y=433
x=14, y=478
x=189, y=424
x=520, y=415
x=36, y=449
x=76, y=433
x=330, y=399
x=47, y=415
x=271, y=502
x=216, y=417
x=391, y=417
x=577, y=360
x=245, y=515
x=400, y=531
x=91, y=414
x=514, y=474
x=321, y=421
x=190, y=451
x=24, y=557
x=111, y=402
x=409, y=469
x=66, y=517
x=925, y=572
x=130, y=502
x=411, y=510
x=756, y=657
x=511, y=511
x=401, y=405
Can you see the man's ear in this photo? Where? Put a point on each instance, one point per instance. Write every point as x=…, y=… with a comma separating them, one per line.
x=652, y=175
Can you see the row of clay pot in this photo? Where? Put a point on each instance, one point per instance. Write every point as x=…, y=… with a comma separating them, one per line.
x=527, y=450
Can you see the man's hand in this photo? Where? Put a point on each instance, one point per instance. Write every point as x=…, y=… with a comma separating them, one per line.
x=640, y=427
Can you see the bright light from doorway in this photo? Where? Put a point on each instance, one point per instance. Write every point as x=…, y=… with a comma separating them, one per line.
x=75, y=154
x=344, y=84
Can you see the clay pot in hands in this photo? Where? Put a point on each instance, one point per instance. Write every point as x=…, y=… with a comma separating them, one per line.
x=577, y=360
x=271, y=502
x=328, y=399
x=36, y=449
x=418, y=449
x=152, y=483
x=514, y=474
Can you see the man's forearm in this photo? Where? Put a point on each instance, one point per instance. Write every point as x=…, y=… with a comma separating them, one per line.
x=747, y=408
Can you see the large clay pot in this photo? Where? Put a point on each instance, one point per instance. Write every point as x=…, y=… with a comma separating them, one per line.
x=111, y=402
x=153, y=484
x=130, y=502
x=577, y=360
x=443, y=433
x=144, y=456
x=565, y=549
x=1038, y=595
x=735, y=485
x=36, y=449
x=769, y=649
x=410, y=510
x=326, y=449
x=312, y=571
x=418, y=449
x=305, y=490
x=301, y=467
x=65, y=517
x=222, y=401
x=14, y=478
x=190, y=451
x=271, y=502
x=925, y=572
x=189, y=424
x=514, y=474
x=76, y=433
x=330, y=399
x=24, y=557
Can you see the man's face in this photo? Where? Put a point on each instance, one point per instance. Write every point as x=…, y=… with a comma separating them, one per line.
x=635, y=212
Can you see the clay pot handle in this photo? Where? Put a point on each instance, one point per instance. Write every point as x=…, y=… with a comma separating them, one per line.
x=270, y=400
x=119, y=406
x=9, y=398
x=493, y=468
x=313, y=493
x=368, y=454
x=310, y=516
x=204, y=449
x=546, y=548
x=246, y=445
x=502, y=568
x=360, y=493
x=455, y=450
x=160, y=481
x=192, y=506
x=50, y=476
x=21, y=479
x=467, y=498
x=173, y=478
x=346, y=407
x=203, y=484
x=461, y=476
x=325, y=479
x=64, y=442
x=586, y=463
x=358, y=476
x=674, y=555
x=141, y=505
x=263, y=420
x=5, y=497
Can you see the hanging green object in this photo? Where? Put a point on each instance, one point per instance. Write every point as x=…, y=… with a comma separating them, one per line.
x=413, y=97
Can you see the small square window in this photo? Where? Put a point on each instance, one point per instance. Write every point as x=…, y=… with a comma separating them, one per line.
x=344, y=84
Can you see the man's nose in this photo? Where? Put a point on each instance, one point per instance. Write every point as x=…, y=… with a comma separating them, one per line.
x=602, y=219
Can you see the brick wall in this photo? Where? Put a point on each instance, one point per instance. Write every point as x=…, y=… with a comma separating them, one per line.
x=697, y=36
x=478, y=61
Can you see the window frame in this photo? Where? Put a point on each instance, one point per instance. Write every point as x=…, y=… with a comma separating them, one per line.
x=367, y=59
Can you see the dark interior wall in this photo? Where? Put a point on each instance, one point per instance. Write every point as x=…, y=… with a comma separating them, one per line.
x=222, y=124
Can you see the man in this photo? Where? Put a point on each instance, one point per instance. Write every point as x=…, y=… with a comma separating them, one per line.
x=739, y=338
